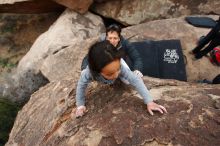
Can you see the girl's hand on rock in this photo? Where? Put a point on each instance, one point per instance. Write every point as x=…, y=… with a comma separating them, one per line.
x=80, y=111
x=152, y=106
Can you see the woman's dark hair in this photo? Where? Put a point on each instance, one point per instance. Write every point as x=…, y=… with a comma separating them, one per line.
x=101, y=54
x=114, y=27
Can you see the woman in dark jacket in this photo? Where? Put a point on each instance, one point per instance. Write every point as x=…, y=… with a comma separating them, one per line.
x=133, y=59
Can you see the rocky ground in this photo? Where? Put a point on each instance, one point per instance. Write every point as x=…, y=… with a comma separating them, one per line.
x=117, y=116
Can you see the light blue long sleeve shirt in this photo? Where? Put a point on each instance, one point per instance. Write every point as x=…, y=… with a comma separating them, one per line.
x=125, y=73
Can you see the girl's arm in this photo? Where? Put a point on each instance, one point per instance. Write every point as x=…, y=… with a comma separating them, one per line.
x=85, y=78
x=139, y=85
x=136, y=82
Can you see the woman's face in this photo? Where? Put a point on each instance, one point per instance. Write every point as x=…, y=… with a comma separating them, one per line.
x=111, y=70
x=113, y=37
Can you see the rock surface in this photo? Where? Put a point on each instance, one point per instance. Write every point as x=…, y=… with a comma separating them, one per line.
x=130, y=12
x=116, y=116
x=29, y=6
x=76, y=5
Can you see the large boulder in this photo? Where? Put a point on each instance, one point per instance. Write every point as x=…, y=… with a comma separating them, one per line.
x=68, y=33
x=29, y=6
x=177, y=28
x=116, y=116
x=70, y=29
x=76, y=5
x=130, y=12
x=66, y=64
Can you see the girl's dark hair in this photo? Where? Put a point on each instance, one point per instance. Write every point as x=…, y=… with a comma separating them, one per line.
x=101, y=54
x=113, y=27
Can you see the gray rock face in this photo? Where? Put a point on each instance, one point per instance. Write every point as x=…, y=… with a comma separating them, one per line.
x=116, y=116
x=19, y=86
x=130, y=12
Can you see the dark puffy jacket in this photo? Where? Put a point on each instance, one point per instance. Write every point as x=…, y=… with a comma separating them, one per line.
x=132, y=57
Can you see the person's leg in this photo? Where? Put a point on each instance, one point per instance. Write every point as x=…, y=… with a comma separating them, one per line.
x=205, y=51
x=216, y=80
x=207, y=38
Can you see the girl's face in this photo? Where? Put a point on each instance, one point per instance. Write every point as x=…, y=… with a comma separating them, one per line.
x=111, y=70
x=113, y=37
